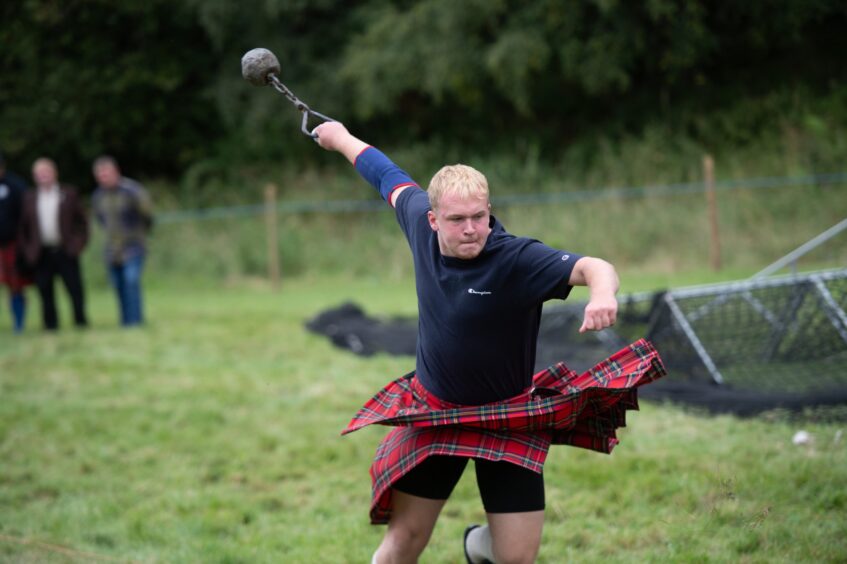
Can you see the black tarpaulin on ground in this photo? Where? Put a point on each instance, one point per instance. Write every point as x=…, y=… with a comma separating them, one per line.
x=349, y=328
x=559, y=340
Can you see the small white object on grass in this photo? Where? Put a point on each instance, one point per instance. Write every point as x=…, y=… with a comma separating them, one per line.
x=801, y=438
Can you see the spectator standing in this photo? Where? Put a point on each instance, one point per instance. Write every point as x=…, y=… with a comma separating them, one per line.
x=52, y=235
x=12, y=188
x=123, y=208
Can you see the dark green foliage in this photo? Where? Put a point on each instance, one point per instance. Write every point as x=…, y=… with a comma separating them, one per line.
x=158, y=83
x=84, y=77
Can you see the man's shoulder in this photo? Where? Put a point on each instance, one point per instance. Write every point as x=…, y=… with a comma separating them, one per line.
x=501, y=239
x=519, y=249
x=131, y=183
x=132, y=186
x=413, y=195
x=411, y=205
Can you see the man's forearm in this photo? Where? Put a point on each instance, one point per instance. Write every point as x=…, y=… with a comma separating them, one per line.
x=370, y=163
x=351, y=147
x=603, y=284
x=601, y=278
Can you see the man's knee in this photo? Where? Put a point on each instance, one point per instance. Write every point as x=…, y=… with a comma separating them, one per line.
x=403, y=543
x=412, y=534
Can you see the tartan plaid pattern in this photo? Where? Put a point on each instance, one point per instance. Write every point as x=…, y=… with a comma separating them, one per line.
x=9, y=273
x=561, y=407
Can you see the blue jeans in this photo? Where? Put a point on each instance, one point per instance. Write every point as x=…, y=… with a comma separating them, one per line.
x=126, y=279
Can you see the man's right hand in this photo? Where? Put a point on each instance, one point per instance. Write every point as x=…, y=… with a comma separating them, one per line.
x=330, y=134
x=333, y=136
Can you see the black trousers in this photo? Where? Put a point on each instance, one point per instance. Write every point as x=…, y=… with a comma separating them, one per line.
x=504, y=487
x=52, y=263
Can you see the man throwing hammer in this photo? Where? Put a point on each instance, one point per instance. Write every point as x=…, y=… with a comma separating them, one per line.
x=480, y=293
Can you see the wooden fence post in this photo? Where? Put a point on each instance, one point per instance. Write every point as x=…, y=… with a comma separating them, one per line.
x=711, y=198
x=272, y=235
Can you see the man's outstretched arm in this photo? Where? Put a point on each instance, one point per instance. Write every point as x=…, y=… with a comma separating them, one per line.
x=603, y=284
x=374, y=166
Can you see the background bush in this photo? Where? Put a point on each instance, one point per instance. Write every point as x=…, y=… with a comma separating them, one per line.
x=158, y=83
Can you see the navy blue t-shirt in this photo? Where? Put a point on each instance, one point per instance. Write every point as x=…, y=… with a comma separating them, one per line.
x=12, y=188
x=478, y=319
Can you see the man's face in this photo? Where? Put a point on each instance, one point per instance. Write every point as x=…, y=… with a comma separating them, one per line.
x=461, y=225
x=44, y=173
x=107, y=175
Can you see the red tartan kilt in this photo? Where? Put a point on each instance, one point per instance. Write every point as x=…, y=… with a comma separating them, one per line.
x=560, y=408
x=9, y=274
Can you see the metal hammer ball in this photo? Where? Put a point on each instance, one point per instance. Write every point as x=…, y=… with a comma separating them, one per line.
x=257, y=64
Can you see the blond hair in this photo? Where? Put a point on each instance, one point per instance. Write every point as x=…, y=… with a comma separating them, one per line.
x=458, y=180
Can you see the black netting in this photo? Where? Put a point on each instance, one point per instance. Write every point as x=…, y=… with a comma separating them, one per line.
x=741, y=348
x=787, y=336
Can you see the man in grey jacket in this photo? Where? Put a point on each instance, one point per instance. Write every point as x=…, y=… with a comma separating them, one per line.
x=123, y=209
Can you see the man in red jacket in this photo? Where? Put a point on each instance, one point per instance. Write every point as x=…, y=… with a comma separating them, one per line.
x=53, y=234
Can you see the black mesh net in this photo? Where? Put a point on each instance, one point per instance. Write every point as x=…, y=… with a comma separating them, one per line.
x=743, y=347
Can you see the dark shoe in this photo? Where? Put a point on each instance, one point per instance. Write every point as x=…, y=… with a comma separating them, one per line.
x=465, y=545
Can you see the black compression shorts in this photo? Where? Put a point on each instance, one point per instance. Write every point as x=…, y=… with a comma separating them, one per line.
x=504, y=487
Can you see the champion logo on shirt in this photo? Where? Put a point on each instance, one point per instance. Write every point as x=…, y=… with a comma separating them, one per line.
x=566, y=257
x=479, y=292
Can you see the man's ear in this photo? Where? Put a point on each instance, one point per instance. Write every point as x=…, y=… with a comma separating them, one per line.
x=430, y=215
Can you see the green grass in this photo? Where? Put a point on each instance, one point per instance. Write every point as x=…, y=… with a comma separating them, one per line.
x=212, y=435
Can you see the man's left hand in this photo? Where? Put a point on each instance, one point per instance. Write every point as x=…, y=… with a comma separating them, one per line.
x=599, y=314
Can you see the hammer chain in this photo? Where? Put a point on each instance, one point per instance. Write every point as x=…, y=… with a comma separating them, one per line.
x=283, y=89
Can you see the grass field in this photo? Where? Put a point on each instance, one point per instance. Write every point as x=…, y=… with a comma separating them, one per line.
x=212, y=435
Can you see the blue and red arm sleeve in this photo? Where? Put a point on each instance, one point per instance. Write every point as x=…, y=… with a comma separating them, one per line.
x=381, y=172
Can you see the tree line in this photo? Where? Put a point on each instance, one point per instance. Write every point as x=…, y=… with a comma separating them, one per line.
x=157, y=83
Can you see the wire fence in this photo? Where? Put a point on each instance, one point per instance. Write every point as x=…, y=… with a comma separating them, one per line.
x=570, y=196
